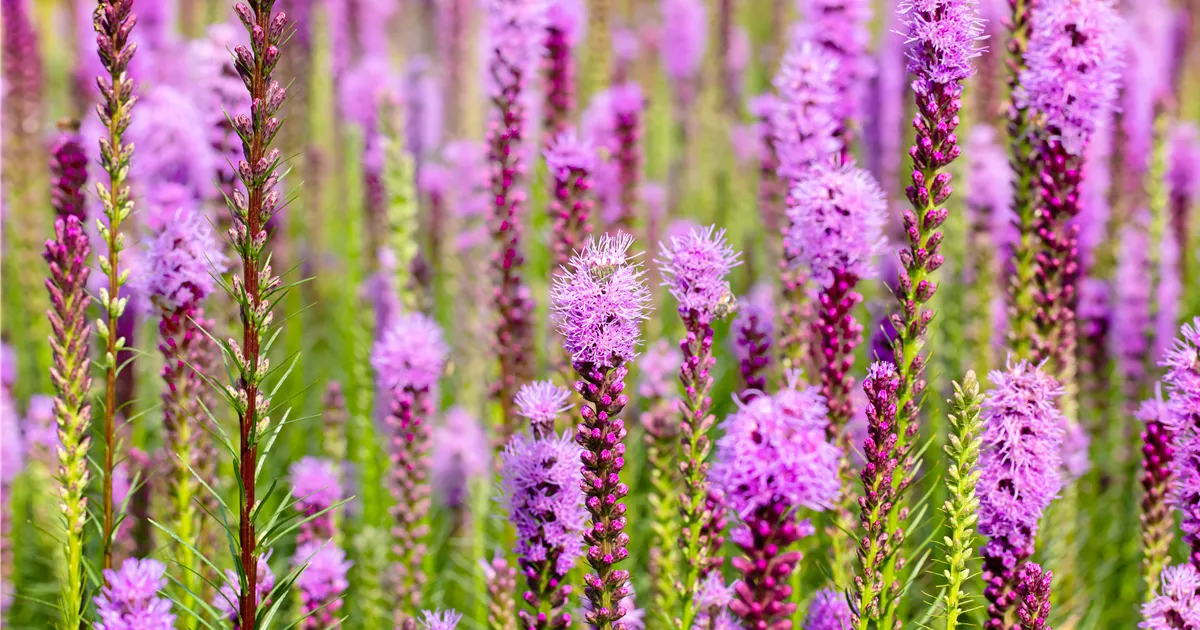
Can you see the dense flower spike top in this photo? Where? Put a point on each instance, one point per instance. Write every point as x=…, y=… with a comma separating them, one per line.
x=802, y=122
x=1073, y=63
x=540, y=403
x=540, y=477
x=942, y=38
x=68, y=167
x=695, y=268
x=1183, y=383
x=322, y=582
x=515, y=28
x=1177, y=604
x=440, y=620
x=600, y=300
x=774, y=451
x=315, y=484
x=837, y=217
x=828, y=610
x=130, y=599
x=842, y=27
x=410, y=354
x=569, y=152
x=177, y=270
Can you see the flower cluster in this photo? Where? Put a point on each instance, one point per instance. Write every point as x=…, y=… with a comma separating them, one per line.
x=130, y=598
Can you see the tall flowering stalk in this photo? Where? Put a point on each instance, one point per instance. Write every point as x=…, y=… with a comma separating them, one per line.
x=113, y=21
x=257, y=288
x=942, y=36
x=1155, y=516
x=408, y=361
x=773, y=460
x=571, y=161
x=315, y=489
x=961, y=507
x=321, y=584
x=131, y=597
x=842, y=27
x=1183, y=382
x=684, y=40
x=1070, y=81
x=67, y=254
x=1176, y=603
x=540, y=481
x=1183, y=176
x=1020, y=474
x=695, y=267
x=515, y=27
x=772, y=190
x=564, y=18
x=628, y=105
x=599, y=302
x=1034, y=592
x=755, y=330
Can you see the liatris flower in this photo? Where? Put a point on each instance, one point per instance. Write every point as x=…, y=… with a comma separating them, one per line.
x=315, y=488
x=540, y=403
x=842, y=27
x=440, y=620
x=1071, y=81
x=1177, y=604
x=989, y=233
x=501, y=583
x=1184, y=190
x=408, y=361
x=1034, y=593
x=1020, y=474
x=695, y=268
x=685, y=39
x=1132, y=326
x=772, y=461
x=68, y=170
x=460, y=456
x=627, y=104
x=539, y=479
x=12, y=460
x=130, y=598
x=368, y=88
x=1183, y=383
x=828, y=610
x=961, y=479
x=599, y=301
x=67, y=255
x=226, y=601
x=712, y=602
x=771, y=188
x=755, y=333
x=1157, y=460
x=571, y=162
x=515, y=27
x=321, y=583
x=564, y=21
x=836, y=219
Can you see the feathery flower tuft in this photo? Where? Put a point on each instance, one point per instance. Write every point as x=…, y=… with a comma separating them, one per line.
x=440, y=620
x=842, y=27
x=130, y=598
x=828, y=610
x=410, y=354
x=836, y=218
x=541, y=402
x=802, y=122
x=1177, y=604
x=695, y=268
x=181, y=258
x=1183, y=383
x=321, y=584
x=1020, y=474
x=942, y=41
x=315, y=488
x=572, y=162
x=600, y=299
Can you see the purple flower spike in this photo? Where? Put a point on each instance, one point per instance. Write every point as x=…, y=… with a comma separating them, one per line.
x=564, y=21
x=130, y=598
x=540, y=478
x=599, y=302
x=695, y=268
x=440, y=620
x=322, y=583
x=226, y=599
x=1157, y=458
x=842, y=27
x=685, y=38
x=315, y=487
x=571, y=161
x=754, y=327
x=828, y=611
x=942, y=38
x=1034, y=593
x=411, y=353
x=1020, y=474
x=803, y=124
x=1177, y=604
x=1184, y=180
x=628, y=105
x=541, y=402
x=461, y=455
x=68, y=168
x=1183, y=383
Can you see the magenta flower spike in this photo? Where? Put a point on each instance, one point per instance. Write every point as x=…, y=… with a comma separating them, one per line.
x=321, y=584
x=628, y=105
x=131, y=599
x=772, y=190
x=226, y=601
x=1020, y=474
x=540, y=479
x=516, y=29
x=695, y=268
x=1177, y=604
x=1184, y=181
x=1070, y=79
x=408, y=360
x=1034, y=593
x=828, y=610
x=842, y=28
x=564, y=22
x=599, y=301
x=1157, y=459
x=315, y=488
x=772, y=461
x=571, y=161
x=754, y=327
x=1182, y=381
x=836, y=218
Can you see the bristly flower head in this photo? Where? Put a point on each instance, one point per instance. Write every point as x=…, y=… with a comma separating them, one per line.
x=685, y=34
x=1183, y=366
x=600, y=301
x=315, y=484
x=541, y=402
x=1072, y=67
x=942, y=38
x=540, y=479
x=515, y=28
x=568, y=16
x=695, y=267
x=802, y=119
x=1021, y=461
x=131, y=600
x=569, y=152
x=410, y=354
x=324, y=579
x=180, y=261
x=774, y=450
x=828, y=611
x=837, y=217
x=1178, y=602
x=440, y=620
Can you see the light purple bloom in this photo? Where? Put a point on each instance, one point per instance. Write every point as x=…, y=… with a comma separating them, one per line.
x=315, y=484
x=1183, y=384
x=774, y=450
x=696, y=267
x=181, y=259
x=569, y=17
x=173, y=148
x=540, y=480
x=322, y=583
x=130, y=599
x=1147, y=42
x=541, y=402
x=226, y=600
x=568, y=152
x=1131, y=323
x=1177, y=604
x=803, y=122
x=989, y=187
x=1072, y=65
x=659, y=366
x=440, y=620
x=836, y=218
x=842, y=27
x=942, y=39
x=599, y=302
x=410, y=354
x=828, y=610
x=461, y=454
x=1021, y=461
x=515, y=29
x=366, y=87
x=685, y=38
